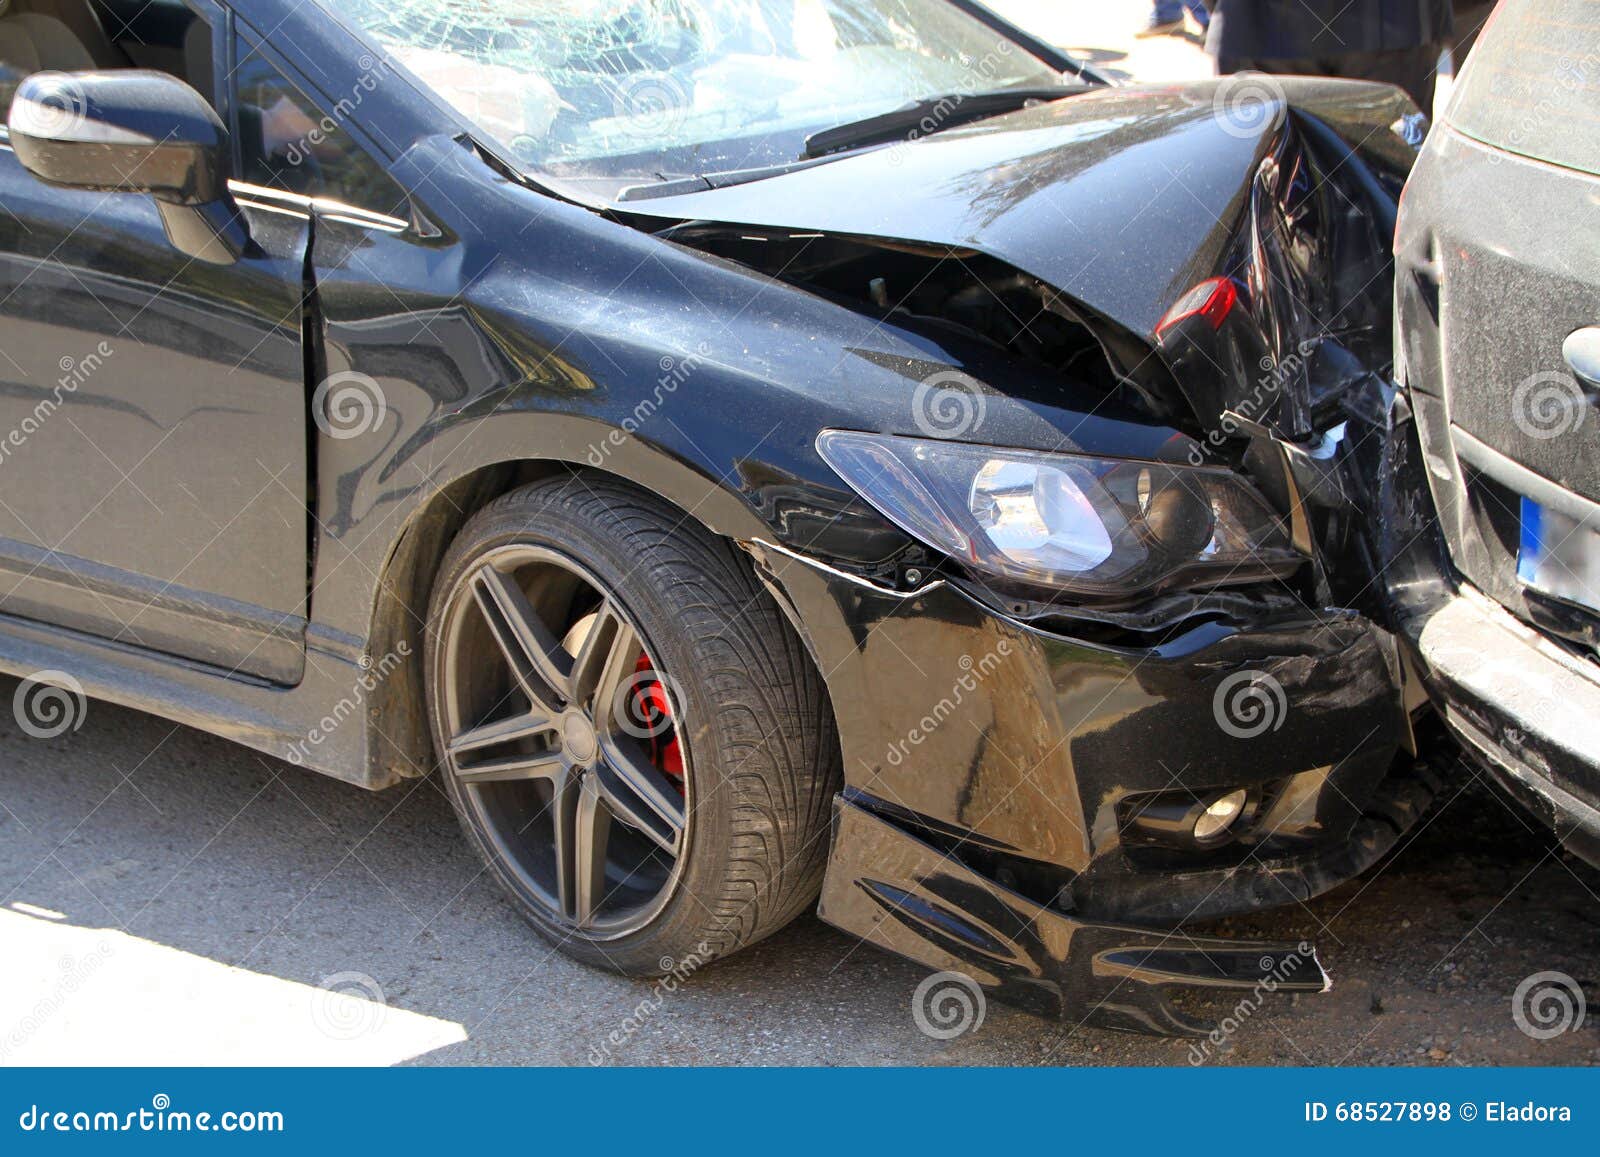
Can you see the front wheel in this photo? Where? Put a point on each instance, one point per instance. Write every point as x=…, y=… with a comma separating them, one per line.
x=631, y=734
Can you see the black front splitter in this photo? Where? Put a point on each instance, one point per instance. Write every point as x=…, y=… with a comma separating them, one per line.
x=895, y=891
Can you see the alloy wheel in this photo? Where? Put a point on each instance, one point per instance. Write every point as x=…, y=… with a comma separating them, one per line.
x=563, y=741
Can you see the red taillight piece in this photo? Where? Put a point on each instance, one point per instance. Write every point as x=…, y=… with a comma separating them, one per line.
x=1212, y=299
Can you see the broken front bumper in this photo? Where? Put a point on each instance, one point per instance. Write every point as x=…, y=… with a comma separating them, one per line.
x=994, y=774
x=899, y=893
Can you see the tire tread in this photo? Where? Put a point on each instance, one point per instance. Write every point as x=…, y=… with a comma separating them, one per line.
x=775, y=749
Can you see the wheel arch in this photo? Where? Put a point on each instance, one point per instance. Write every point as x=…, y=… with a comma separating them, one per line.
x=398, y=743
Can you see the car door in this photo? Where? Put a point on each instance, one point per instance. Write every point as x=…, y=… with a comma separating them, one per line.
x=1500, y=317
x=153, y=436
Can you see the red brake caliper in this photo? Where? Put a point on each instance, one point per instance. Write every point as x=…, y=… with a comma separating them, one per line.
x=650, y=700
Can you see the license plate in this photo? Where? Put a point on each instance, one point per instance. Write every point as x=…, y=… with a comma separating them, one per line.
x=1560, y=555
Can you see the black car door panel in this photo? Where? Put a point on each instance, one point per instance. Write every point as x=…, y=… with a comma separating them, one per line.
x=153, y=469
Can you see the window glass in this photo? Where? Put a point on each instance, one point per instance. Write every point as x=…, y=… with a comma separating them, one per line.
x=625, y=91
x=79, y=35
x=1532, y=85
x=287, y=142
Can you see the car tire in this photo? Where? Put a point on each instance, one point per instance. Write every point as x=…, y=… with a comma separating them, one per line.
x=734, y=688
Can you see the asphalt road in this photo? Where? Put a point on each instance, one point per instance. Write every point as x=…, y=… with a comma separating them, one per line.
x=168, y=897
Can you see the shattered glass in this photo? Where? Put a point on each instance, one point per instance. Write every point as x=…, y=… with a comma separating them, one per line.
x=655, y=89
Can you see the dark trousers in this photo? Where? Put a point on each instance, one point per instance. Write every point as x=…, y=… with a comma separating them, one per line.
x=1413, y=69
x=1470, y=15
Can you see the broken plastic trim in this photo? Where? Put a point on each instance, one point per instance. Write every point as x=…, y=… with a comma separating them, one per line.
x=889, y=888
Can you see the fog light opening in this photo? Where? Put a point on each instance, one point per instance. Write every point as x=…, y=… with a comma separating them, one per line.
x=1216, y=821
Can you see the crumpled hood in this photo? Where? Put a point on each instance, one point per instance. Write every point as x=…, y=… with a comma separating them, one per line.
x=1117, y=197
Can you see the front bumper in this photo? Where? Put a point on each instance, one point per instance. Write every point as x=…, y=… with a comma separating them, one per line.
x=1514, y=697
x=1522, y=704
x=989, y=767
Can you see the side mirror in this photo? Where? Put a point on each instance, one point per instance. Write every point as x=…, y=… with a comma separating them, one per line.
x=134, y=132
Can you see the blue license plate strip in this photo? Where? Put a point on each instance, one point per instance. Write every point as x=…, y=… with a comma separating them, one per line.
x=1559, y=555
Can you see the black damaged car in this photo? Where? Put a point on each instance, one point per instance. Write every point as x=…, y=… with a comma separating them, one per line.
x=748, y=450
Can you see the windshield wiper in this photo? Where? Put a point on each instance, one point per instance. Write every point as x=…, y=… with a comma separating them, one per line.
x=898, y=124
x=945, y=111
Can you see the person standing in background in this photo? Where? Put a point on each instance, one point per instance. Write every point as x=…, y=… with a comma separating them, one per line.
x=1469, y=17
x=1395, y=41
x=1166, y=17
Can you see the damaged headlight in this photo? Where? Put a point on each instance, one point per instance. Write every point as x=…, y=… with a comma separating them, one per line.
x=1092, y=525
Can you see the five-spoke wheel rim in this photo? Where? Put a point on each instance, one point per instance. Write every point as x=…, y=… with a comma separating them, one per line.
x=554, y=717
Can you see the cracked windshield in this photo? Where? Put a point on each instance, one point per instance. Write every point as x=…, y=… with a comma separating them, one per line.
x=611, y=93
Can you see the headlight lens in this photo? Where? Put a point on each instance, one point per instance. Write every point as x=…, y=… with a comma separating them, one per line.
x=1093, y=525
